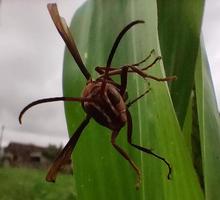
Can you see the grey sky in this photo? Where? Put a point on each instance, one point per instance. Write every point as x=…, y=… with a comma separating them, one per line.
x=32, y=53
x=211, y=33
x=31, y=66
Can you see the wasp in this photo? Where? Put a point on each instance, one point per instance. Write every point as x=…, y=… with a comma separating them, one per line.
x=102, y=99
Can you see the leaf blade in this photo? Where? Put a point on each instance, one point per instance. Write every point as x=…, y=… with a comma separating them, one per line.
x=209, y=125
x=179, y=27
x=100, y=172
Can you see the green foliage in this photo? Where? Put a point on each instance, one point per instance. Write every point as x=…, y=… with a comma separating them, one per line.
x=179, y=27
x=209, y=126
x=29, y=184
x=176, y=128
x=50, y=152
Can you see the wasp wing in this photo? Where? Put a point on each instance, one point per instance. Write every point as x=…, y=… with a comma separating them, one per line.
x=65, y=155
x=65, y=33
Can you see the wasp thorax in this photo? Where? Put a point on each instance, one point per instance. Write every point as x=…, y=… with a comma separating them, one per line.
x=108, y=107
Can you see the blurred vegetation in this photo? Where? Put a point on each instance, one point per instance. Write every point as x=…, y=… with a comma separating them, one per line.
x=29, y=184
x=51, y=151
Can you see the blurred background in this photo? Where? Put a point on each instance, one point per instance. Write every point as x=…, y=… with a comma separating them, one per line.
x=31, y=68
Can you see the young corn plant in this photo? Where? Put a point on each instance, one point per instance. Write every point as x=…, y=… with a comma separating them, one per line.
x=178, y=121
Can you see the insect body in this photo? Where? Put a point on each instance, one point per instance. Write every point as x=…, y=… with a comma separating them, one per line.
x=109, y=108
x=102, y=99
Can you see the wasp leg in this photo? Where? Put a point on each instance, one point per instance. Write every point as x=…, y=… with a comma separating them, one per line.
x=168, y=78
x=152, y=64
x=137, y=98
x=101, y=70
x=129, y=137
x=126, y=156
x=145, y=59
x=123, y=71
x=135, y=69
x=145, y=75
x=124, y=77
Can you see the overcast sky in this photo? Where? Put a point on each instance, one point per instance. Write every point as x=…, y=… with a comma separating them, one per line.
x=31, y=67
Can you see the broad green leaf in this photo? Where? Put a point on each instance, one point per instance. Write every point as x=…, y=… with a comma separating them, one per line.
x=100, y=171
x=209, y=126
x=179, y=26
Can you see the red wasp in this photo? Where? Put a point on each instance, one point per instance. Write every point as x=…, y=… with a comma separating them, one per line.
x=102, y=99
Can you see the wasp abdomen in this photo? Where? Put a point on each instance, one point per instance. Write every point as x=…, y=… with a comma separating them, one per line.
x=108, y=108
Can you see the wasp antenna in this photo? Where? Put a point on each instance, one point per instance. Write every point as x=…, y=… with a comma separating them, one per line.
x=118, y=39
x=47, y=100
x=114, y=47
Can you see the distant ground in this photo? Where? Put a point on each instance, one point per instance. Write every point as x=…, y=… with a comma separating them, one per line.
x=29, y=184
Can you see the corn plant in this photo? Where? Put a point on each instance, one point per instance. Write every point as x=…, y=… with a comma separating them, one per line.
x=178, y=120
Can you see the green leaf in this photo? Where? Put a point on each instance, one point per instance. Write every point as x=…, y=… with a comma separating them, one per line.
x=100, y=171
x=209, y=126
x=179, y=26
